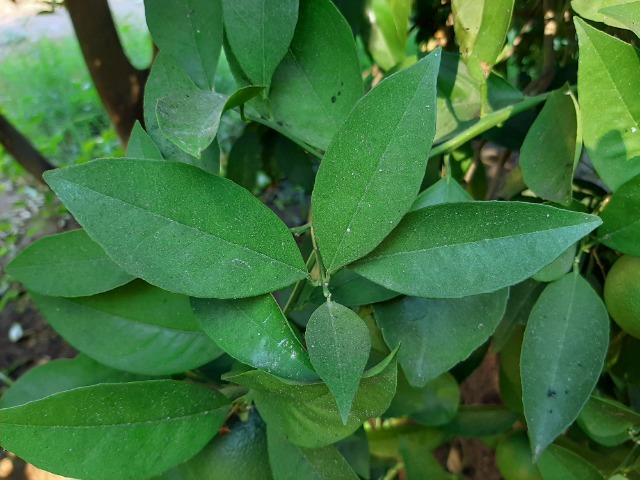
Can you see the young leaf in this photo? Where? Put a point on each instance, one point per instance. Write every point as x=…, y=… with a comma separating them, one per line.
x=608, y=422
x=445, y=190
x=141, y=145
x=120, y=428
x=307, y=415
x=339, y=343
x=552, y=148
x=255, y=331
x=561, y=463
x=259, y=34
x=620, y=228
x=563, y=352
x=436, y=334
x=373, y=168
x=69, y=264
x=191, y=32
x=626, y=15
x=462, y=249
x=608, y=84
x=318, y=82
x=61, y=375
x=137, y=328
x=191, y=119
x=389, y=31
x=292, y=462
x=181, y=228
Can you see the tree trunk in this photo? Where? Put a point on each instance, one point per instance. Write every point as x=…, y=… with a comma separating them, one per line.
x=119, y=84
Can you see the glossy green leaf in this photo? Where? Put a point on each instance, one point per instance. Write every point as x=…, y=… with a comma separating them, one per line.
x=625, y=14
x=255, y=331
x=69, y=264
x=457, y=250
x=548, y=171
x=558, y=267
x=318, y=82
x=114, y=430
x=563, y=464
x=418, y=462
x=620, y=228
x=608, y=422
x=594, y=10
x=373, y=168
x=259, y=34
x=137, y=328
x=436, y=334
x=180, y=228
x=190, y=119
x=61, y=375
x=292, y=462
x=389, y=31
x=481, y=28
x=608, y=85
x=474, y=421
x=445, y=190
x=245, y=158
x=351, y=290
x=339, y=343
x=141, y=145
x=242, y=96
x=522, y=298
x=191, y=32
x=563, y=353
x=307, y=414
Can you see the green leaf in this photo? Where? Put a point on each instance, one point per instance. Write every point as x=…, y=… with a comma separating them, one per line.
x=141, y=145
x=114, y=430
x=373, y=168
x=59, y=376
x=563, y=353
x=181, y=228
x=548, y=171
x=69, y=264
x=608, y=422
x=306, y=414
x=445, y=190
x=481, y=28
x=242, y=96
x=561, y=463
x=191, y=32
x=418, y=462
x=352, y=290
x=259, y=34
x=625, y=14
x=255, y=331
x=594, y=10
x=473, y=421
x=608, y=85
x=292, y=462
x=620, y=228
x=245, y=158
x=389, y=31
x=294, y=163
x=190, y=119
x=339, y=343
x=355, y=450
x=457, y=250
x=137, y=328
x=318, y=82
x=436, y=334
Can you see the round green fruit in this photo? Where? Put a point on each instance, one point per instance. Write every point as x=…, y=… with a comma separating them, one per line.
x=513, y=456
x=622, y=294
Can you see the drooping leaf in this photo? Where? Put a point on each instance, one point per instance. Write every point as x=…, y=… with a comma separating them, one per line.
x=561, y=463
x=339, y=343
x=625, y=14
x=181, y=228
x=292, y=462
x=318, y=82
x=548, y=171
x=114, y=430
x=141, y=145
x=474, y=421
x=255, y=331
x=462, y=249
x=389, y=31
x=563, y=352
x=307, y=414
x=620, y=228
x=245, y=158
x=137, y=328
x=436, y=334
x=69, y=264
x=190, y=119
x=191, y=32
x=373, y=168
x=61, y=375
x=445, y=190
x=259, y=34
x=594, y=10
x=607, y=85
x=608, y=422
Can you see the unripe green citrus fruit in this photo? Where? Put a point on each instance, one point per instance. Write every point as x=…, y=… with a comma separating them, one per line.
x=513, y=456
x=622, y=294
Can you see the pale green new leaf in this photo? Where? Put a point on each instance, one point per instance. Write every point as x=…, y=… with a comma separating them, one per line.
x=563, y=351
x=561, y=463
x=594, y=10
x=141, y=145
x=114, y=430
x=69, y=264
x=181, y=228
x=620, y=228
x=372, y=171
x=459, y=249
x=625, y=14
x=389, y=31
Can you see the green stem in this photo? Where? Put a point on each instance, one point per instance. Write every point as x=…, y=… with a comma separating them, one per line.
x=297, y=288
x=324, y=276
x=283, y=131
x=301, y=229
x=5, y=379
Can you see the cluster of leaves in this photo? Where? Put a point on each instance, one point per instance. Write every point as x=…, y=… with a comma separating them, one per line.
x=173, y=289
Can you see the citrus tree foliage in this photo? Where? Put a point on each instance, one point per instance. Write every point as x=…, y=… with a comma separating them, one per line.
x=218, y=341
